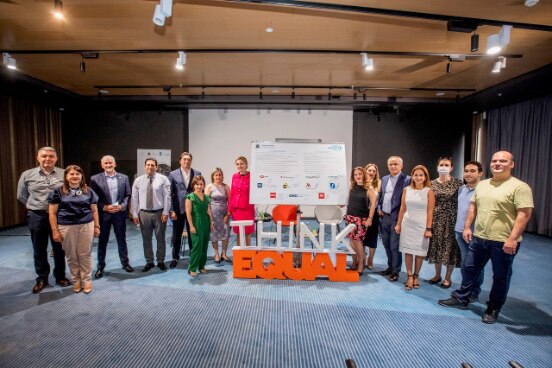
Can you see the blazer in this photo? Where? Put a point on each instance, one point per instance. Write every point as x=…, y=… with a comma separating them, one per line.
x=402, y=181
x=179, y=190
x=98, y=183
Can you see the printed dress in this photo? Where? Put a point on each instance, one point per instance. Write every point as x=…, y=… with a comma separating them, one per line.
x=443, y=247
x=219, y=208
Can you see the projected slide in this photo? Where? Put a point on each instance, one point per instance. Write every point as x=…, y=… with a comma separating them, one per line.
x=298, y=173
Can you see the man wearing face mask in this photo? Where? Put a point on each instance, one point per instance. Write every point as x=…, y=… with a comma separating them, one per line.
x=389, y=204
x=501, y=207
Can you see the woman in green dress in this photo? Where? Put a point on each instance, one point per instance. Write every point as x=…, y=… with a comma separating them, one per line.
x=200, y=218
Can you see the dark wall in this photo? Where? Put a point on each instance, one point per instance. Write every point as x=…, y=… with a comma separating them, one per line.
x=420, y=135
x=90, y=134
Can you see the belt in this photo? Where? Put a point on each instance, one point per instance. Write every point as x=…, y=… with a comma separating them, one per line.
x=38, y=211
x=151, y=211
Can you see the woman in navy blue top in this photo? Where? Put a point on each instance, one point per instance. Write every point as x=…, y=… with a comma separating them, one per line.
x=74, y=219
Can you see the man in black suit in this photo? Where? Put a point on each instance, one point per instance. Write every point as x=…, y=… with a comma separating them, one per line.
x=113, y=190
x=181, y=180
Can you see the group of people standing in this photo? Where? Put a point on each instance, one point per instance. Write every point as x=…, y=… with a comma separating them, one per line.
x=445, y=221
x=63, y=208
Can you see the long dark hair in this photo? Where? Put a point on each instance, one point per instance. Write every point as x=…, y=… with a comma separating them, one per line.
x=82, y=185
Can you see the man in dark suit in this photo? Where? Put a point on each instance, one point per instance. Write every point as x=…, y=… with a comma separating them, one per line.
x=181, y=180
x=392, y=186
x=113, y=190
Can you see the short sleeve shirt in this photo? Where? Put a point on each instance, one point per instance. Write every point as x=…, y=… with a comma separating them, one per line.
x=74, y=209
x=497, y=207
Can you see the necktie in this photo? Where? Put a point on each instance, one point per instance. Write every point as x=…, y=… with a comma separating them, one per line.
x=149, y=195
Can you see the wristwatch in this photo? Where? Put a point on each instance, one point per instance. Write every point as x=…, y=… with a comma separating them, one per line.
x=429, y=229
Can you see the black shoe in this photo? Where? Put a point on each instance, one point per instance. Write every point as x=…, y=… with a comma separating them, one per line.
x=394, y=277
x=227, y=260
x=63, y=282
x=387, y=272
x=148, y=267
x=454, y=303
x=433, y=282
x=40, y=285
x=99, y=274
x=474, y=299
x=128, y=268
x=162, y=266
x=490, y=316
x=173, y=263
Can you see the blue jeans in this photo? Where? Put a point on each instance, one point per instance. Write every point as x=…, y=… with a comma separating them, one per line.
x=390, y=240
x=479, y=253
x=464, y=251
x=39, y=226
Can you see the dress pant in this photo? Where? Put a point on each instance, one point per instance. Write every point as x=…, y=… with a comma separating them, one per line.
x=178, y=228
x=118, y=220
x=390, y=240
x=479, y=253
x=464, y=251
x=39, y=226
x=150, y=222
x=77, y=244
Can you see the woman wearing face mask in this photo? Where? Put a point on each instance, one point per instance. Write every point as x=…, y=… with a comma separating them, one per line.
x=443, y=248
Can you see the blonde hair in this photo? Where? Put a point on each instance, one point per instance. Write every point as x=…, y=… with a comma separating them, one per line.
x=376, y=182
x=243, y=159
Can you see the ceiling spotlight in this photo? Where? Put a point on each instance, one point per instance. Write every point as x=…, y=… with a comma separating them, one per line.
x=497, y=41
x=499, y=64
x=449, y=67
x=158, y=17
x=269, y=28
x=367, y=63
x=474, y=42
x=180, y=60
x=440, y=94
x=58, y=9
x=531, y=3
x=9, y=62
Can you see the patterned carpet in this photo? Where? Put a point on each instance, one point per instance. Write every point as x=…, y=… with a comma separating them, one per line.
x=167, y=319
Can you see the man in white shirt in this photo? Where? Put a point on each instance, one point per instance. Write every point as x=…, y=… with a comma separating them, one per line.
x=151, y=202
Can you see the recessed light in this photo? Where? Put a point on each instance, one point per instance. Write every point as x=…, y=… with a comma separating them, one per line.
x=275, y=91
x=531, y=3
x=269, y=29
x=440, y=94
x=103, y=91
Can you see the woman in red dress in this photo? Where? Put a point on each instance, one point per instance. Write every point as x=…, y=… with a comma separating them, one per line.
x=238, y=205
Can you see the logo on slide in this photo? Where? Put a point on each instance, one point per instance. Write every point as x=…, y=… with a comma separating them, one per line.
x=272, y=195
x=321, y=196
x=259, y=185
x=333, y=186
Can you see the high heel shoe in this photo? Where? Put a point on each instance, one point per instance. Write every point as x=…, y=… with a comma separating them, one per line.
x=434, y=281
x=409, y=282
x=415, y=282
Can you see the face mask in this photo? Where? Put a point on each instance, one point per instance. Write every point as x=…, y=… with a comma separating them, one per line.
x=443, y=170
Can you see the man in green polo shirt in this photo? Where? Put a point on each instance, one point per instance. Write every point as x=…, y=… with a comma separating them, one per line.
x=501, y=207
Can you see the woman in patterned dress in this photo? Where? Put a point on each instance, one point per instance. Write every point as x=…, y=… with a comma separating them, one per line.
x=219, y=193
x=360, y=211
x=443, y=248
x=371, y=238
